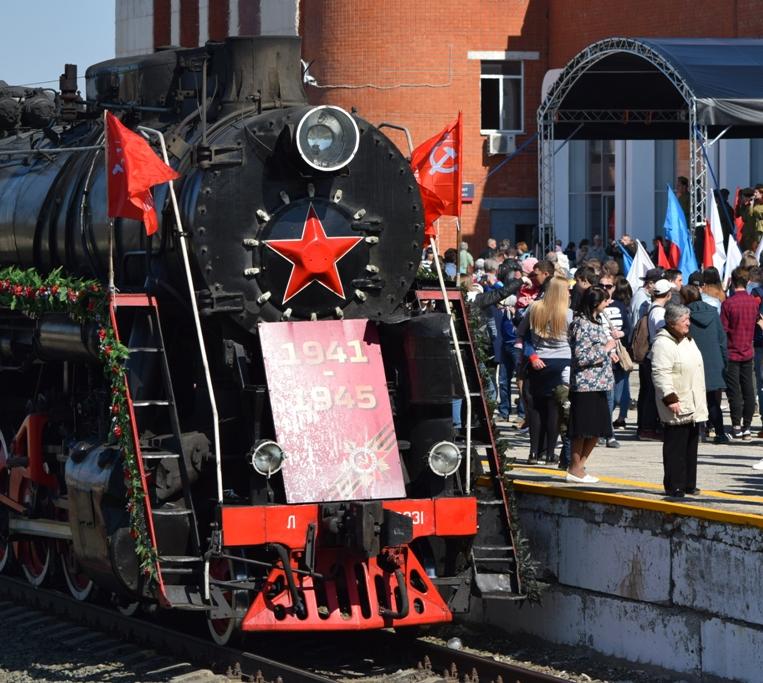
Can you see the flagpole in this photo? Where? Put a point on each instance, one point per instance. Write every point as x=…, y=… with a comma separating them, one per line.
x=458, y=250
x=110, y=225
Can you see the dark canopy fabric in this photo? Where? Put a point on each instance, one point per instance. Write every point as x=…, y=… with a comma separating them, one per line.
x=724, y=77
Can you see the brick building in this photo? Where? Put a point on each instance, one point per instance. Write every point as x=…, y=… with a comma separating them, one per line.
x=418, y=64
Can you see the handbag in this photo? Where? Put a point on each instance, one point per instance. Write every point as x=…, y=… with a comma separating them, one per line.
x=624, y=359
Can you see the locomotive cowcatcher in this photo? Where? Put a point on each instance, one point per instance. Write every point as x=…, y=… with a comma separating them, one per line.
x=276, y=449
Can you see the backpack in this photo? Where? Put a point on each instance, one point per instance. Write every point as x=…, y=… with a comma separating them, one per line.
x=640, y=341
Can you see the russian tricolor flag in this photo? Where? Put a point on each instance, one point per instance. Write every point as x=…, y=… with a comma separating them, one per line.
x=714, y=253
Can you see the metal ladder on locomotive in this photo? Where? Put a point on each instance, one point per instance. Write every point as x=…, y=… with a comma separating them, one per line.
x=180, y=575
x=494, y=559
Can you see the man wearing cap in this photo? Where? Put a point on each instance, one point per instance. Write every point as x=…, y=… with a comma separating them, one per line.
x=644, y=294
x=648, y=419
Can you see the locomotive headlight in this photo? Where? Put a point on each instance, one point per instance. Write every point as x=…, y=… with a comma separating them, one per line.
x=444, y=458
x=267, y=458
x=327, y=138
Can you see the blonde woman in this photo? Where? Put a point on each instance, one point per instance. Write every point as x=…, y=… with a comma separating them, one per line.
x=544, y=332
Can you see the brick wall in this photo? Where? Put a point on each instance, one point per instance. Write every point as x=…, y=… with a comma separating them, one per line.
x=407, y=64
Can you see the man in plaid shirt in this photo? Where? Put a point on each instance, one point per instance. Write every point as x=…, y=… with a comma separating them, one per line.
x=739, y=314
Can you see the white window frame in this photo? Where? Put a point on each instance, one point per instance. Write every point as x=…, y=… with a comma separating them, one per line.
x=520, y=56
x=501, y=90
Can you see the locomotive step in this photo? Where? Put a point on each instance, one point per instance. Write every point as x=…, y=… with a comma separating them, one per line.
x=158, y=455
x=185, y=597
x=154, y=402
x=174, y=512
x=180, y=559
x=493, y=548
x=145, y=349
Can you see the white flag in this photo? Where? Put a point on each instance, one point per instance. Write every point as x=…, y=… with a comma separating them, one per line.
x=716, y=232
x=733, y=259
x=641, y=263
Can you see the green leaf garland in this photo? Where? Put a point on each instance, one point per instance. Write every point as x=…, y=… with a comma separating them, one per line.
x=86, y=301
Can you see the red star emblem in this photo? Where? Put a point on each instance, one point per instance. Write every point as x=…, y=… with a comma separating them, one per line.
x=313, y=257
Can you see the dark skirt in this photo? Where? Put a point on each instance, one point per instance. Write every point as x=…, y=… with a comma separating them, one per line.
x=589, y=415
x=543, y=382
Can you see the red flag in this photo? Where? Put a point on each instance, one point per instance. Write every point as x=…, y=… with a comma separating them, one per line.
x=437, y=164
x=708, y=249
x=662, y=259
x=133, y=168
x=738, y=220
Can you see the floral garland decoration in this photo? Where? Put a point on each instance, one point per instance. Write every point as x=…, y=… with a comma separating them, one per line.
x=86, y=301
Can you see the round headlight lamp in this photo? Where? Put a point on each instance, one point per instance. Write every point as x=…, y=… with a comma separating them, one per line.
x=444, y=458
x=267, y=458
x=327, y=138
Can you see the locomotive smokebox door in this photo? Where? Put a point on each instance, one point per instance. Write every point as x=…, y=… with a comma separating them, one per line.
x=331, y=411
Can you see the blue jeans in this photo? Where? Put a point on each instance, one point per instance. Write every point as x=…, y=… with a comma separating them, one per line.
x=505, y=373
x=620, y=395
x=517, y=356
x=457, y=403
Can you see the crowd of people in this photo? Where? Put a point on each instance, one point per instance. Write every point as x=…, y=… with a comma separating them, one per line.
x=565, y=331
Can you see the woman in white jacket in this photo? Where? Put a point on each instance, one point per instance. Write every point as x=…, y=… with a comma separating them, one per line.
x=679, y=383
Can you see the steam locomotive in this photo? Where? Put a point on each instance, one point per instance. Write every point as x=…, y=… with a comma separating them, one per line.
x=289, y=391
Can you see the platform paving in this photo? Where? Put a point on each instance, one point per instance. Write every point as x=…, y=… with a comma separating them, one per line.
x=725, y=475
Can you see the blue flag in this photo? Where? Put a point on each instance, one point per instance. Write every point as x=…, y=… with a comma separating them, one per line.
x=627, y=259
x=680, y=251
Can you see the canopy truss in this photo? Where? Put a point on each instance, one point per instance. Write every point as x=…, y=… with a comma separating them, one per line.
x=634, y=88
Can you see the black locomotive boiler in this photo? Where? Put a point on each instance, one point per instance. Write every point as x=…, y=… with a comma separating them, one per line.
x=294, y=458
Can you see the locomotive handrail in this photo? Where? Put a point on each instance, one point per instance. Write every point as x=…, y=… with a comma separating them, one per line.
x=49, y=150
x=460, y=361
x=196, y=319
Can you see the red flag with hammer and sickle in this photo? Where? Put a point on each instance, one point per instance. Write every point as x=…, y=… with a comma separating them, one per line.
x=133, y=168
x=437, y=165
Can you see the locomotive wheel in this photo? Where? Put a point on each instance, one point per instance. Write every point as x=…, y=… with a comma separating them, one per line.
x=222, y=569
x=34, y=555
x=35, y=559
x=6, y=553
x=80, y=584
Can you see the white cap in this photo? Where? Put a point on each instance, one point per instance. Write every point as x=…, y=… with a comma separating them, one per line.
x=662, y=287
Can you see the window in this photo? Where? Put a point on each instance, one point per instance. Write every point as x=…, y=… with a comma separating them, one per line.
x=501, y=96
x=664, y=175
x=592, y=189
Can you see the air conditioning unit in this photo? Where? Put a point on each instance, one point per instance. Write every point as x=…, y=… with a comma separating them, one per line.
x=501, y=143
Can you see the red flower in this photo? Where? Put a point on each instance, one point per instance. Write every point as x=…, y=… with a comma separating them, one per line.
x=117, y=431
x=91, y=305
x=30, y=293
x=101, y=333
x=72, y=295
x=115, y=409
x=54, y=290
x=134, y=534
x=18, y=290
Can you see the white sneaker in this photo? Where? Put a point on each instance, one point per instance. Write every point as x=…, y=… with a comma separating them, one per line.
x=587, y=479
x=758, y=465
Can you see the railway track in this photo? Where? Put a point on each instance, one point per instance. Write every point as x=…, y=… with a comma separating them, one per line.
x=170, y=653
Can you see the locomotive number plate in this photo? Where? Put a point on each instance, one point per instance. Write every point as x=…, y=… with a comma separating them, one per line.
x=331, y=411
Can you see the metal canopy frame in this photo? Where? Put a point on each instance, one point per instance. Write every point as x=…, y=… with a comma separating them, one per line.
x=550, y=113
